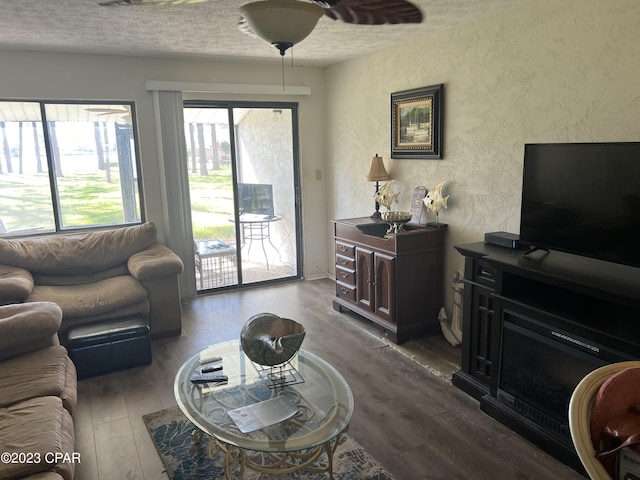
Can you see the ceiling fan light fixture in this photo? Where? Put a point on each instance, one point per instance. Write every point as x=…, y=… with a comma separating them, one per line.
x=282, y=23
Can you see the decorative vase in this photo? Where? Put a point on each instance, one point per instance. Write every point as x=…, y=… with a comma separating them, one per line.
x=268, y=339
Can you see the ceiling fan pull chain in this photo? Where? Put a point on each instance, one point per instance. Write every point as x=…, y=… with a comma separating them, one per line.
x=282, y=61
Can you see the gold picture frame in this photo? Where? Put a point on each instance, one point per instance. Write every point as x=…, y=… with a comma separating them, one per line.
x=416, y=123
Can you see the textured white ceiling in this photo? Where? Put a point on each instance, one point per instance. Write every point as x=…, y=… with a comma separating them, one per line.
x=207, y=30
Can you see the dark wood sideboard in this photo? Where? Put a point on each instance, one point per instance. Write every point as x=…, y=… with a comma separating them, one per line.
x=396, y=282
x=533, y=326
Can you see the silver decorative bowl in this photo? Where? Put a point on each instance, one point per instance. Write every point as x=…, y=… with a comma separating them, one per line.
x=396, y=221
x=270, y=340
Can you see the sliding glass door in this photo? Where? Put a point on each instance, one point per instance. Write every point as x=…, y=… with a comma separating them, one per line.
x=244, y=187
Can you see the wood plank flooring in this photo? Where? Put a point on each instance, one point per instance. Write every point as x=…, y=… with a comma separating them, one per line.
x=407, y=414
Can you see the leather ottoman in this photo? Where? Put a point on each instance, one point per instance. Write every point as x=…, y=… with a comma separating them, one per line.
x=111, y=345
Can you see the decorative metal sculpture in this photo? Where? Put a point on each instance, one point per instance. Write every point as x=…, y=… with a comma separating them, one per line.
x=387, y=195
x=434, y=200
x=270, y=340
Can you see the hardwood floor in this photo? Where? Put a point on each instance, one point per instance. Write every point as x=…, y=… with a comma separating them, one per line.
x=407, y=414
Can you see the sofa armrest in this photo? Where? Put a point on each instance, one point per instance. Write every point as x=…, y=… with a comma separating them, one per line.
x=154, y=261
x=26, y=327
x=16, y=284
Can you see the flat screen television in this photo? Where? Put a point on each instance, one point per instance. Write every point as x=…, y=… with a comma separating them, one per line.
x=255, y=198
x=583, y=198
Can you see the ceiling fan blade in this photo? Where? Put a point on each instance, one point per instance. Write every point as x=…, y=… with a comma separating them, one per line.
x=120, y=3
x=374, y=12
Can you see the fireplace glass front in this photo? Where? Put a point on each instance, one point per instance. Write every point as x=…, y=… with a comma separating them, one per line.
x=540, y=367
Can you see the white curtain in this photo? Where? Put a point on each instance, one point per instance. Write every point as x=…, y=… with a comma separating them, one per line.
x=172, y=150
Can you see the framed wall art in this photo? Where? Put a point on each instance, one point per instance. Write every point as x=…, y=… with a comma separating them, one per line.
x=416, y=123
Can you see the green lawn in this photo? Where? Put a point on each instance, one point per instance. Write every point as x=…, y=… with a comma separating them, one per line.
x=212, y=205
x=87, y=199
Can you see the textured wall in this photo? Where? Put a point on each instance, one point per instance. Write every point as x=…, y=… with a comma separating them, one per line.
x=545, y=72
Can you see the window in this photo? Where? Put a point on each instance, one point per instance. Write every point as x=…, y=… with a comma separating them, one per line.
x=66, y=166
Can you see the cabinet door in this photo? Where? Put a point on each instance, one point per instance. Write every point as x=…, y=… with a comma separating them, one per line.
x=384, y=287
x=364, y=278
x=481, y=333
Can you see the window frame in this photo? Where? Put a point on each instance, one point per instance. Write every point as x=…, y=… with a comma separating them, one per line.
x=53, y=186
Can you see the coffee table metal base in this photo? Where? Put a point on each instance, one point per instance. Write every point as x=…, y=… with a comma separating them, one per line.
x=236, y=459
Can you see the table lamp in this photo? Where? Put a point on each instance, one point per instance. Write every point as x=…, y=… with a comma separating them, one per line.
x=376, y=174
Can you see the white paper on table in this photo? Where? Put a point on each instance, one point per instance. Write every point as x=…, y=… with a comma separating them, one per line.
x=262, y=414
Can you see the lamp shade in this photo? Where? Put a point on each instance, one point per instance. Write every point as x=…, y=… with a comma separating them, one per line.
x=282, y=22
x=376, y=170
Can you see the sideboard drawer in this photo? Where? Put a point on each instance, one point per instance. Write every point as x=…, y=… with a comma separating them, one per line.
x=347, y=292
x=345, y=275
x=345, y=262
x=345, y=249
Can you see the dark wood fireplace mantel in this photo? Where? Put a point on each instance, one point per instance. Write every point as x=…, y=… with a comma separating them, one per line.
x=582, y=303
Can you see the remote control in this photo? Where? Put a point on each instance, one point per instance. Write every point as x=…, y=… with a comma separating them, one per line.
x=209, y=359
x=211, y=368
x=209, y=378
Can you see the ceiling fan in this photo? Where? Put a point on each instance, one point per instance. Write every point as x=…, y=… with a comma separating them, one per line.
x=284, y=23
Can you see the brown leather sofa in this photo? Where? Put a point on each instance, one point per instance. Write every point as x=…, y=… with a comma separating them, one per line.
x=38, y=394
x=96, y=276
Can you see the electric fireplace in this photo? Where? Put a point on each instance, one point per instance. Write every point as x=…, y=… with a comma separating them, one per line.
x=537, y=321
x=540, y=368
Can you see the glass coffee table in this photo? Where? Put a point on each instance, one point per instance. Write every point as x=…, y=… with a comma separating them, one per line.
x=321, y=399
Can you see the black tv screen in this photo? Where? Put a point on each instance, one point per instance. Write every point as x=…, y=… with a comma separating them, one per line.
x=583, y=198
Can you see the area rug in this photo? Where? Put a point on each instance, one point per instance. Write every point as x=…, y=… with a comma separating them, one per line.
x=184, y=459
